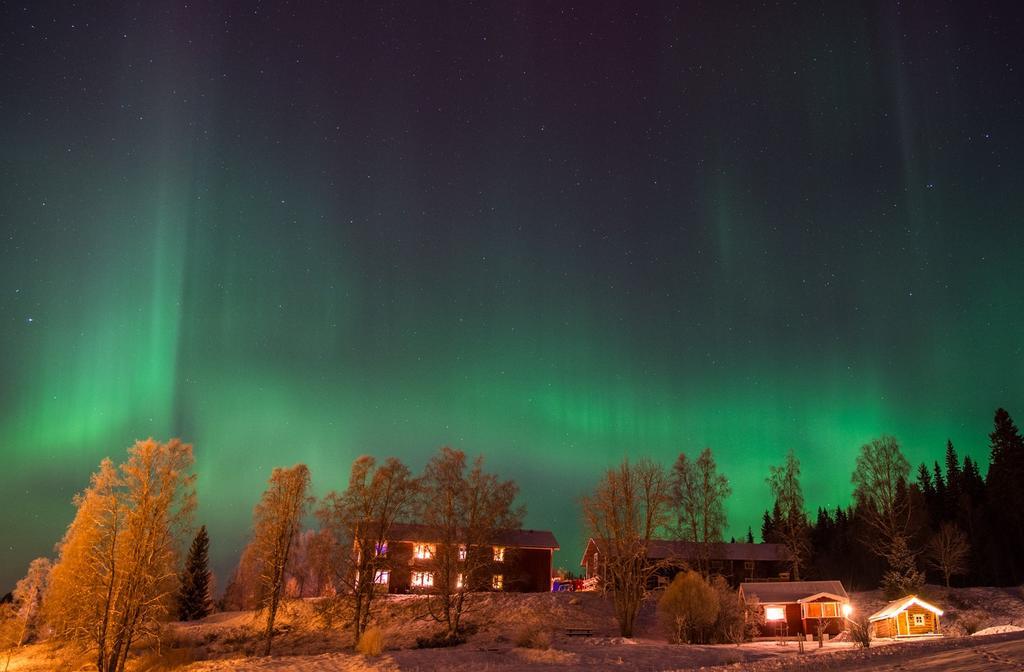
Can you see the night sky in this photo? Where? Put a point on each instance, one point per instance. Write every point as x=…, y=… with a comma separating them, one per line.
x=301, y=232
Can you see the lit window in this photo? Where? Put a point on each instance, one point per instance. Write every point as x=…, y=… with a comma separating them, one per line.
x=422, y=579
x=774, y=614
x=497, y=581
x=382, y=548
x=499, y=553
x=458, y=581
x=383, y=576
x=423, y=551
x=462, y=552
x=918, y=619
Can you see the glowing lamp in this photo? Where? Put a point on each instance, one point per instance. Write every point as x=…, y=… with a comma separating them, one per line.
x=847, y=610
x=774, y=614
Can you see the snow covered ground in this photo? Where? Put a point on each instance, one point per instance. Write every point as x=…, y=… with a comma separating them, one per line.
x=230, y=641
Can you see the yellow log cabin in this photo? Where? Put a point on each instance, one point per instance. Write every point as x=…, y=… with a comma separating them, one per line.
x=909, y=616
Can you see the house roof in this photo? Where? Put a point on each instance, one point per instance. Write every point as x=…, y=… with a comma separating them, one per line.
x=666, y=549
x=791, y=592
x=512, y=538
x=898, y=606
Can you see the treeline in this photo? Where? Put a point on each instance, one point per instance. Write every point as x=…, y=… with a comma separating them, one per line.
x=122, y=568
x=948, y=522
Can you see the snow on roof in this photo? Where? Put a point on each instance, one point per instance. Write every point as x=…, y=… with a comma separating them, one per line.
x=901, y=605
x=783, y=592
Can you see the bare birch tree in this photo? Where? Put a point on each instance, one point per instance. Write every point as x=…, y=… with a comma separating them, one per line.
x=468, y=508
x=791, y=525
x=360, y=521
x=629, y=507
x=698, y=494
x=949, y=551
x=276, y=522
x=116, y=575
x=880, y=493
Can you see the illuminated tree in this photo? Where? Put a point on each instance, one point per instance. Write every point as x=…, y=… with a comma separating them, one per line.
x=791, y=525
x=276, y=521
x=467, y=508
x=688, y=608
x=115, y=577
x=630, y=506
x=698, y=494
x=359, y=522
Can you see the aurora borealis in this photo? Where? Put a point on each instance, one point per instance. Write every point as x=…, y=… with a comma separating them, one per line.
x=294, y=233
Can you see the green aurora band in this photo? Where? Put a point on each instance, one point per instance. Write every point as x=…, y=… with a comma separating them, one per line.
x=213, y=270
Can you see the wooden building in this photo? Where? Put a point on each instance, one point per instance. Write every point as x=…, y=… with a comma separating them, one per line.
x=800, y=607
x=736, y=562
x=514, y=560
x=906, y=617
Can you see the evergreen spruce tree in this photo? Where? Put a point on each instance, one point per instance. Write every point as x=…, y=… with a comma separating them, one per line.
x=973, y=485
x=932, y=503
x=194, y=596
x=750, y=535
x=903, y=577
x=939, y=483
x=767, y=528
x=954, y=478
x=1005, y=498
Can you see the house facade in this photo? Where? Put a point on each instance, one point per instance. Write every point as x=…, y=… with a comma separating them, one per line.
x=909, y=616
x=514, y=561
x=737, y=562
x=799, y=607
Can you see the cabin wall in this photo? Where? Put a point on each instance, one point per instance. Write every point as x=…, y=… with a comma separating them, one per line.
x=885, y=628
x=930, y=625
x=903, y=624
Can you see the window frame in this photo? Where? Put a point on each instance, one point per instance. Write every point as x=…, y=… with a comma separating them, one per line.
x=422, y=579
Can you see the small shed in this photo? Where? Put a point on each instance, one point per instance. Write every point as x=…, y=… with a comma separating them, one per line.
x=909, y=616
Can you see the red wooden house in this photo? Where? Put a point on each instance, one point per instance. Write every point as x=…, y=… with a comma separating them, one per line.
x=736, y=562
x=800, y=607
x=514, y=560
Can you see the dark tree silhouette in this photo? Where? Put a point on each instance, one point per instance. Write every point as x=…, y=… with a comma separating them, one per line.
x=194, y=595
x=1006, y=501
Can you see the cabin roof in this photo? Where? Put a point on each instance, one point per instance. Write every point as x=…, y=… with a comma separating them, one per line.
x=414, y=532
x=899, y=606
x=792, y=592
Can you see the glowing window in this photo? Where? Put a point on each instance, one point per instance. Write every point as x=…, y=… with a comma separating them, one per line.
x=499, y=553
x=918, y=619
x=774, y=614
x=462, y=552
x=497, y=581
x=382, y=548
x=423, y=551
x=458, y=581
x=422, y=579
x=383, y=577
